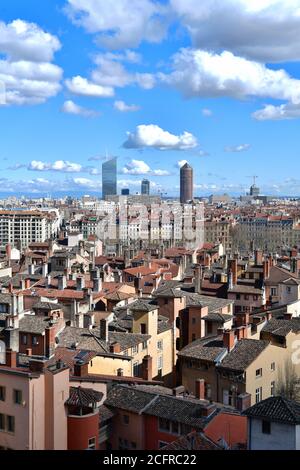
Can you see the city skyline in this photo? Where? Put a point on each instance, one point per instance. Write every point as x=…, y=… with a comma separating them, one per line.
x=125, y=93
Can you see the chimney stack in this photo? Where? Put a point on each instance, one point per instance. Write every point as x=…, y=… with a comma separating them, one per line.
x=228, y=339
x=198, y=279
x=258, y=257
x=233, y=267
x=11, y=358
x=200, y=389
x=147, y=368
x=104, y=329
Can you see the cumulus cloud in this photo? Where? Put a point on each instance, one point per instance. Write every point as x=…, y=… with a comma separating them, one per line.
x=139, y=167
x=121, y=24
x=237, y=148
x=125, y=108
x=263, y=30
x=152, y=136
x=277, y=113
x=26, y=70
x=69, y=107
x=83, y=87
x=58, y=165
x=198, y=73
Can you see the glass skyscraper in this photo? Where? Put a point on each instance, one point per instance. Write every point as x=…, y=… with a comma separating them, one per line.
x=109, y=178
x=145, y=187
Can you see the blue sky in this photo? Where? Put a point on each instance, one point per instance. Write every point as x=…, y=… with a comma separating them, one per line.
x=216, y=84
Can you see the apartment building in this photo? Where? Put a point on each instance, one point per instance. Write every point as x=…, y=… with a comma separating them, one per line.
x=235, y=367
x=23, y=227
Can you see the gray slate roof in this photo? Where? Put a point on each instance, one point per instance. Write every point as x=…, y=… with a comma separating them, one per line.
x=278, y=409
x=243, y=354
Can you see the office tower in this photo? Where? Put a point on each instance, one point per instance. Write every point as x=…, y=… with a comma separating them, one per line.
x=125, y=192
x=186, y=183
x=109, y=178
x=145, y=187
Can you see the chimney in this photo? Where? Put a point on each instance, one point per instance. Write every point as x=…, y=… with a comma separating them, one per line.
x=11, y=358
x=115, y=348
x=242, y=319
x=81, y=369
x=49, y=341
x=243, y=401
x=241, y=332
x=233, y=267
x=198, y=279
x=268, y=316
x=104, y=329
x=266, y=266
x=178, y=391
x=27, y=283
x=80, y=283
x=228, y=339
x=258, y=257
x=8, y=251
x=14, y=305
x=28, y=352
x=45, y=269
x=200, y=389
x=62, y=282
x=147, y=368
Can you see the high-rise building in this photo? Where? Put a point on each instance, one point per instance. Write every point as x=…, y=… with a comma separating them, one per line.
x=145, y=189
x=186, y=183
x=125, y=192
x=109, y=178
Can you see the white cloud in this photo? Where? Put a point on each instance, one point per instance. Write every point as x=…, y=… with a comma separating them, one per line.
x=139, y=167
x=277, y=113
x=180, y=163
x=197, y=73
x=58, y=165
x=207, y=112
x=27, y=41
x=82, y=87
x=26, y=73
x=237, y=148
x=263, y=30
x=120, y=24
x=154, y=137
x=125, y=108
x=70, y=107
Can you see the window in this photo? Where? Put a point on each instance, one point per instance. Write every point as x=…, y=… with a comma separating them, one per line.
x=159, y=363
x=164, y=424
x=143, y=328
x=209, y=328
x=166, y=301
x=2, y=393
x=273, y=291
x=273, y=388
x=35, y=341
x=24, y=339
x=193, y=321
x=144, y=345
x=288, y=289
x=258, y=394
x=125, y=419
x=136, y=369
x=258, y=373
x=10, y=424
x=2, y=422
x=92, y=443
x=266, y=427
x=135, y=349
x=160, y=345
x=17, y=397
x=273, y=366
x=238, y=296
